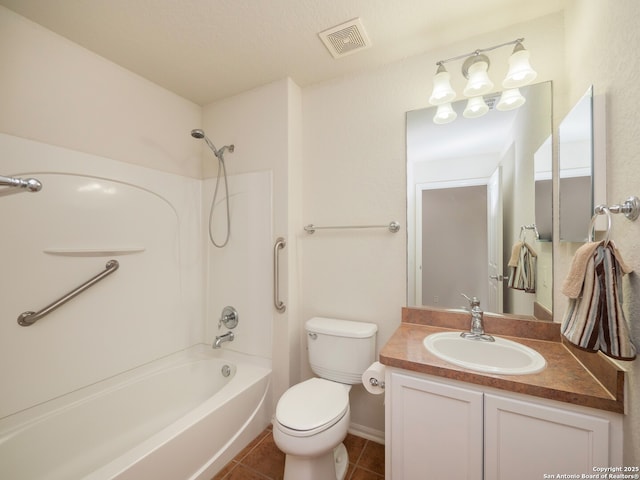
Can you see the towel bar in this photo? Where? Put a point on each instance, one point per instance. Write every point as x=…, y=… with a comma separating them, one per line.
x=393, y=227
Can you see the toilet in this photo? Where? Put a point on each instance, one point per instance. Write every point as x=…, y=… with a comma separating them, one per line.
x=312, y=417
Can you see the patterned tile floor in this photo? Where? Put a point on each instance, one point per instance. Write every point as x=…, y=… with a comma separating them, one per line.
x=262, y=460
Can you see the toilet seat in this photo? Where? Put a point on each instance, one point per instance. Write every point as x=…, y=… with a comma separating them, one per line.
x=311, y=407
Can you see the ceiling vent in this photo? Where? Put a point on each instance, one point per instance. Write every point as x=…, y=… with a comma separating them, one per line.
x=346, y=38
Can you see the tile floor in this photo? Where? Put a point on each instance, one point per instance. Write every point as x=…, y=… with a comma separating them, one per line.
x=262, y=460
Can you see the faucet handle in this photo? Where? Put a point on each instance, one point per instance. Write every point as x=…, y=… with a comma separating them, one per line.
x=473, y=302
x=229, y=318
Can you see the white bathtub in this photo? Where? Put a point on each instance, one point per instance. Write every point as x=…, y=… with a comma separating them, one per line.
x=176, y=418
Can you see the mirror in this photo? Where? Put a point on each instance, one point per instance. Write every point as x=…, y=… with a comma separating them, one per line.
x=578, y=165
x=471, y=197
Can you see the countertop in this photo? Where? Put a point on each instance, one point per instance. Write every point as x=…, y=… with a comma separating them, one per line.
x=571, y=375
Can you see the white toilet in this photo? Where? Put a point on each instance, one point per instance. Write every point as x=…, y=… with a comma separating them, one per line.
x=312, y=417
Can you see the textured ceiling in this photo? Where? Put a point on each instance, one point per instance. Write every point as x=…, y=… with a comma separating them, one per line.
x=205, y=50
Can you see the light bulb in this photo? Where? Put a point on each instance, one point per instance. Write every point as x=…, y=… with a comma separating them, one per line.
x=476, y=107
x=476, y=68
x=510, y=99
x=520, y=72
x=442, y=91
x=444, y=114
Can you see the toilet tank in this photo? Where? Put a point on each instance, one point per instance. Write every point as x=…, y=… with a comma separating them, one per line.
x=340, y=350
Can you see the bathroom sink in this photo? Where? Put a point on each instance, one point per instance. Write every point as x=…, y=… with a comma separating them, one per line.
x=503, y=356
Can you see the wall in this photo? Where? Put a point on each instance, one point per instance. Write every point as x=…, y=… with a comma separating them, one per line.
x=601, y=50
x=354, y=173
x=56, y=92
x=263, y=124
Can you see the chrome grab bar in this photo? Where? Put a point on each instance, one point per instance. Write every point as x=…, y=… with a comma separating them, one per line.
x=27, y=319
x=279, y=245
x=393, y=227
x=30, y=184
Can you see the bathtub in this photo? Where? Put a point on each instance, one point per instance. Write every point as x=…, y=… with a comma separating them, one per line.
x=176, y=418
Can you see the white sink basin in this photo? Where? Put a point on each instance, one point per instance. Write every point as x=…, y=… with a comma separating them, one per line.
x=503, y=357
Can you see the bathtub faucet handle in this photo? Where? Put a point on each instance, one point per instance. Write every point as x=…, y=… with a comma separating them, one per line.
x=229, y=318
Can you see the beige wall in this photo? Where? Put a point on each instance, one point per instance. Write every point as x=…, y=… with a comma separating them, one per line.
x=55, y=92
x=602, y=49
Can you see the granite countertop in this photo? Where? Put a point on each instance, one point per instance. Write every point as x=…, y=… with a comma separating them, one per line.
x=572, y=375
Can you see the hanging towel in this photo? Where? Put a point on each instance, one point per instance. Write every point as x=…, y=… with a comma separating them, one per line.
x=594, y=319
x=522, y=268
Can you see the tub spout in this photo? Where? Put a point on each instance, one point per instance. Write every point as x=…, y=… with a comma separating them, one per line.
x=220, y=339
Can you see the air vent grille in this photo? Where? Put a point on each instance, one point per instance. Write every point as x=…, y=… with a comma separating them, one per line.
x=346, y=38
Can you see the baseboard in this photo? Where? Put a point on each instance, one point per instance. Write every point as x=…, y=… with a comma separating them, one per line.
x=366, y=432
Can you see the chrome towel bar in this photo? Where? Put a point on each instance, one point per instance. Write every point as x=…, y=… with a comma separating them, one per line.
x=30, y=184
x=27, y=319
x=393, y=227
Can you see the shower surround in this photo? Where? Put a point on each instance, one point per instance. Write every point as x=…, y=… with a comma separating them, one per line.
x=166, y=295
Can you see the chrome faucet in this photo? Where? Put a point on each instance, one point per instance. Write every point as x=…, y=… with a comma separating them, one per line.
x=220, y=339
x=476, y=331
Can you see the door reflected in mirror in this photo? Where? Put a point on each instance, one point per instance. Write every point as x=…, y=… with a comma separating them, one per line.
x=472, y=201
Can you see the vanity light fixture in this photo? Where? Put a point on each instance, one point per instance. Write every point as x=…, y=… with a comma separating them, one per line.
x=476, y=70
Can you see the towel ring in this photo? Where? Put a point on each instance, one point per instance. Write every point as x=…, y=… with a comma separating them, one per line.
x=599, y=210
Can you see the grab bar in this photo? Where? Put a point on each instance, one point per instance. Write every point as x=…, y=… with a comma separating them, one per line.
x=30, y=184
x=279, y=245
x=393, y=227
x=27, y=319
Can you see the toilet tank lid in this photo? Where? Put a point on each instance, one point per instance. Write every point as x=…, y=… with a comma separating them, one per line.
x=341, y=328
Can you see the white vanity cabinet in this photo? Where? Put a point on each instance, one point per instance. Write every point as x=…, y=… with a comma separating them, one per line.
x=433, y=430
x=443, y=429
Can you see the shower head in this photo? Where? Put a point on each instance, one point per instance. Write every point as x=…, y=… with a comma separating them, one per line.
x=199, y=133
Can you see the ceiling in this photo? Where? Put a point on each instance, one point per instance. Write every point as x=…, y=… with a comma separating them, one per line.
x=206, y=50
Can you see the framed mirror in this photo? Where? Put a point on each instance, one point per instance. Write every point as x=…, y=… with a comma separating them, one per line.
x=581, y=183
x=472, y=198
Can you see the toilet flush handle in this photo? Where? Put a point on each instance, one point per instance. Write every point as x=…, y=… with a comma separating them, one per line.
x=313, y=335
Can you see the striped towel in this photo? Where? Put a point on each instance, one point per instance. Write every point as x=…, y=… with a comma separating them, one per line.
x=594, y=319
x=522, y=268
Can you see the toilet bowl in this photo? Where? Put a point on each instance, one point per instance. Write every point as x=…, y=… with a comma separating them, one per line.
x=312, y=417
x=310, y=424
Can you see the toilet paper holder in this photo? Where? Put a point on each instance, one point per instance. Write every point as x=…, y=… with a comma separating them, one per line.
x=376, y=383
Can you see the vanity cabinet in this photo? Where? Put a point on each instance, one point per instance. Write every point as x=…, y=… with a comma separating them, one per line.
x=438, y=428
x=435, y=430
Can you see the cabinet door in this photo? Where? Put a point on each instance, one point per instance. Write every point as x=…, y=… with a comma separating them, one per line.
x=525, y=440
x=435, y=430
